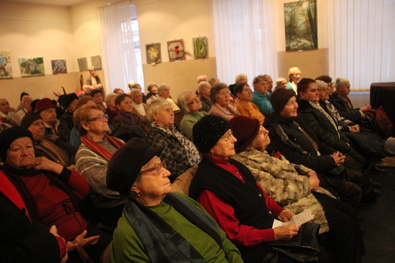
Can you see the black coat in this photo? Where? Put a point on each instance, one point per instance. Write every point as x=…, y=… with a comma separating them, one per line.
x=298, y=149
x=344, y=110
x=323, y=127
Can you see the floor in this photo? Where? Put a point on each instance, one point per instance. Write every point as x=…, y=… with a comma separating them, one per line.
x=379, y=219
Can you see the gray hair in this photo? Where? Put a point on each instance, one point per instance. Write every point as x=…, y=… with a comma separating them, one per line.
x=109, y=96
x=181, y=100
x=203, y=84
x=239, y=77
x=133, y=91
x=162, y=87
x=341, y=83
x=280, y=80
x=155, y=106
x=321, y=84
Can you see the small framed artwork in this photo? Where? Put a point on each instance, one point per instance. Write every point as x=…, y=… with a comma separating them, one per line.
x=5, y=65
x=31, y=67
x=83, y=64
x=96, y=62
x=176, y=50
x=153, y=53
x=200, y=47
x=58, y=66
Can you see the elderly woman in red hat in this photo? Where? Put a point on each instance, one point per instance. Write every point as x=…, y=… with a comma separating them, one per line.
x=156, y=225
x=298, y=188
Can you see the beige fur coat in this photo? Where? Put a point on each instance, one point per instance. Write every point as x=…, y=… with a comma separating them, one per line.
x=281, y=181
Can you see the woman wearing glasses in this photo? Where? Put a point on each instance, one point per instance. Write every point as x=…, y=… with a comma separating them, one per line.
x=222, y=106
x=156, y=225
x=92, y=161
x=190, y=105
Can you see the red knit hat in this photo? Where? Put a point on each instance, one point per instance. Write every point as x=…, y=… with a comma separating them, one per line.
x=245, y=129
x=44, y=104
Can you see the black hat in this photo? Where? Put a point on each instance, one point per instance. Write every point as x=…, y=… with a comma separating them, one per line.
x=280, y=97
x=126, y=163
x=67, y=100
x=10, y=135
x=29, y=118
x=207, y=131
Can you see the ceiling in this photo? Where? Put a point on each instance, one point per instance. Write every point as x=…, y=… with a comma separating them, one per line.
x=51, y=2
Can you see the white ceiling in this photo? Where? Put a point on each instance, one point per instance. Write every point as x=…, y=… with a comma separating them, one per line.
x=51, y=2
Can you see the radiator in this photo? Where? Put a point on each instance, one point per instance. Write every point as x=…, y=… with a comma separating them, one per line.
x=360, y=98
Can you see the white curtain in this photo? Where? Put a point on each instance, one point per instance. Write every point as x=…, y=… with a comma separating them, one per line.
x=244, y=38
x=119, y=55
x=362, y=41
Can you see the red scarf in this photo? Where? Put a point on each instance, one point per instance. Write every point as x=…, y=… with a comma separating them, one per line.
x=9, y=190
x=106, y=154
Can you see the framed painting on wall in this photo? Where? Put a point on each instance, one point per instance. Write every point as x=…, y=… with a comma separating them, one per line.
x=200, y=47
x=176, y=50
x=153, y=53
x=301, y=25
x=96, y=62
x=31, y=67
x=5, y=65
x=83, y=64
x=58, y=66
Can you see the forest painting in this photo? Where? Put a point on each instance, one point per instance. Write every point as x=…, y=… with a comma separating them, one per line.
x=5, y=65
x=301, y=25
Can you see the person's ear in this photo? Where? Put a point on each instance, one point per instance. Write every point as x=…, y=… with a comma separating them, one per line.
x=85, y=126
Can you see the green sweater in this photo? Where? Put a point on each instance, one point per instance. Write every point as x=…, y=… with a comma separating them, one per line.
x=127, y=247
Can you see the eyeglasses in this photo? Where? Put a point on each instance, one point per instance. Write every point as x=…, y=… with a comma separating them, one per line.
x=227, y=136
x=158, y=167
x=98, y=118
x=195, y=100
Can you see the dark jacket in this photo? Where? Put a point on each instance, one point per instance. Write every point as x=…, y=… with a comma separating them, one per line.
x=24, y=241
x=324, y=129
x=344, y=110
x=286, y=137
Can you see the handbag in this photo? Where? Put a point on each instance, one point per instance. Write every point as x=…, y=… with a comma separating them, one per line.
x=304, y=247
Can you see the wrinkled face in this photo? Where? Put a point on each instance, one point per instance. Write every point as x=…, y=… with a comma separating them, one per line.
x=290, y=109
x=262, y=87
x=165, y=116
x=37, y=129
x=125, y=105
x=223, y=97
x=311, y=94
x=153, y=185
x=206, y=91
x=138, y=97
x=21, y=153
x=4, y=106
x=193, y=102
x=296, y=76
x=98, y=98
x=97, y=124
x=49, y=116
x=225, y=147
x=345, y=90
x=262, y=140
x=246, y=94
x=324, y=95
x=165, y=93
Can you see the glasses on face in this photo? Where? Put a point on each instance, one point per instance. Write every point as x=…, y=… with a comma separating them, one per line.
x=157, y=168
x=195, y=100
x=98, y=118
x=227, y=136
